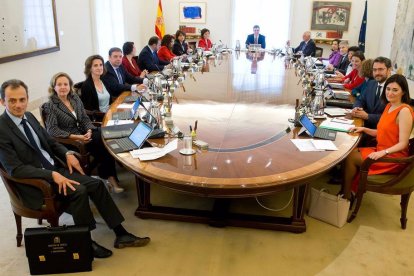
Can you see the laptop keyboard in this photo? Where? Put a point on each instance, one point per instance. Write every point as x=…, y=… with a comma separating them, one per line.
x=126, y=144
x=123, y=115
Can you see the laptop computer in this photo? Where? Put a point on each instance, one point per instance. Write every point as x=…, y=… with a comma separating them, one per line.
x=128, y=114
x=315, y=131
x=117, y=131
x=134, y=141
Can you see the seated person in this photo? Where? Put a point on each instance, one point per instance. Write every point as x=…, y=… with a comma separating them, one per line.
x=351, y=51
x=66, y=118
x=353, y=79
x=94, y=95
x=165, y=52
x=256, y=38
x=117, y=79
x=366, y=73
x=392, y=135
x=344, y=60
x=180, y=47
x=129, y=60
x=28, y=151
x=307, y=47
x=148, y=58
x=335, y=56
x=369, y=106
x=205, y=41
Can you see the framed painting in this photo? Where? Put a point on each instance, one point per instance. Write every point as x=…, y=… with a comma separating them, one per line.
x=28, y=29
x=330, y=15
x=192, y=12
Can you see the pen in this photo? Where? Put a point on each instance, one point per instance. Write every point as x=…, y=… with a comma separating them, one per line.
x=191, y=129
x=195, y=125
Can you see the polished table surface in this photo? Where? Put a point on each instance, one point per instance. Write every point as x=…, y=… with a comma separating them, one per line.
x=242, y=103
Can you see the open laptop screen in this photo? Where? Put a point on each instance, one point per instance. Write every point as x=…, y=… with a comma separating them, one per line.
x=135, y=107
x=140, y=134
x=310, y=127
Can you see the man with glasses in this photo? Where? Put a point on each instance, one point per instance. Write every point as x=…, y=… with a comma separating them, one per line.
x=370, y=107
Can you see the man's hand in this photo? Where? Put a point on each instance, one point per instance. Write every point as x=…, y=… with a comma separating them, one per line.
x=359, y=113
x=73, y=163
x=63, y=182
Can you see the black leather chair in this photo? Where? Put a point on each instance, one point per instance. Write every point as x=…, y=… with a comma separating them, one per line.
x=318, y=52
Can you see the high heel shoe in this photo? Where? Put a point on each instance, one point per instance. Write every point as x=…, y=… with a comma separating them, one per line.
x=114, y=188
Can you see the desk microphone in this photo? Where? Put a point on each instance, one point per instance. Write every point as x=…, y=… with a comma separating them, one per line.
x=156, y=132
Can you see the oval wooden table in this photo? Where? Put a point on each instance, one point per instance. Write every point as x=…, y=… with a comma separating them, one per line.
x=242, y=104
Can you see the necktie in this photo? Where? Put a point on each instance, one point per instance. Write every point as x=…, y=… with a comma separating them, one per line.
x=118, y=74
x=379, y=91
x=45, y=163
x=256, y=41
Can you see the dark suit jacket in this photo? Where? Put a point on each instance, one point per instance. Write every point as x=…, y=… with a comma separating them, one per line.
x=371, y=104
x=179, y=49
x=89, y=95
x=309, y=49
x=111, y=81
x=21, y=160
x=150, y=62
x=60, y=122
x=343, y=65
x=261, y=40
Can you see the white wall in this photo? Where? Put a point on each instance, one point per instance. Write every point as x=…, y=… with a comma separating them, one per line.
x=75, y=46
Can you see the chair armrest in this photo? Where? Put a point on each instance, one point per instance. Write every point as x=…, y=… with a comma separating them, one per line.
x=80, y=145
x=41, y=184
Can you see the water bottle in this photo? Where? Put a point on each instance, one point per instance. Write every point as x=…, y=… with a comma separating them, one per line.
x=318, y=104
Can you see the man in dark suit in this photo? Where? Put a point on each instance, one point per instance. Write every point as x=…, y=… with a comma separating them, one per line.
x=307, y=47
x=148, y=58
x=117, y=79
x=370, y=107
x=256, y=38
x=27, y=151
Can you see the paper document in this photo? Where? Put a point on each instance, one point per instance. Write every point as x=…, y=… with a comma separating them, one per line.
x=324, y=145
x=119, y=122
x=305, y=145
x=336, y=126
x=154, y=152
x=125, y=106
x=343, y=120
x=313, y=145
x=335, y=111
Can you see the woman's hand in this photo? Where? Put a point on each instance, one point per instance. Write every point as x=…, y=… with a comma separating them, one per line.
x=143, y=74
x=357, y=129
x=88, y=135
x=377, y=155
x=339, y=74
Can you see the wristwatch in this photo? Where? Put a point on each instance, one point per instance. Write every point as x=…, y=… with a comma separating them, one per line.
x=70, y=152
x=387, y=152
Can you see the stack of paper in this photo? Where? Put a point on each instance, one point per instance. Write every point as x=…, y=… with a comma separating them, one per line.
x=329, y=124
x=119, y=122
x=153, y=153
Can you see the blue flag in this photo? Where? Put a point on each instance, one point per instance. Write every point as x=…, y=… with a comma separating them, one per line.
x=362, y=32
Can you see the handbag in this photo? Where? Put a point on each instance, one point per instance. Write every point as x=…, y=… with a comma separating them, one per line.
x=63, y=249
x=328, y=208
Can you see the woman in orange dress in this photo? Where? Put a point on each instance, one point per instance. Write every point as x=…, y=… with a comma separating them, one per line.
x=392, y=134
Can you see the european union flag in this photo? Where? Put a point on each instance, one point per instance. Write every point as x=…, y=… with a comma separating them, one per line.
x=362, y=32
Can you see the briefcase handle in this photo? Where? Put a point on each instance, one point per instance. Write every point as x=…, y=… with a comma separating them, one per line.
x=57, y=228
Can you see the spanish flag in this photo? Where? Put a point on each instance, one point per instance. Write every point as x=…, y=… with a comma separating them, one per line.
x=159, y=22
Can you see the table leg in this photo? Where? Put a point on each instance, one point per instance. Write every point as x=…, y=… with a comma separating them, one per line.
x=299, y=201
x=143, y=193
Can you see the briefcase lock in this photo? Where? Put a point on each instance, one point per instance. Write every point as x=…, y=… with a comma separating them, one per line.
x=76, y=256
x=42, y=258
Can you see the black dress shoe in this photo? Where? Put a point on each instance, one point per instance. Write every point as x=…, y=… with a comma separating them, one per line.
x=129, y=240
x=99, y=251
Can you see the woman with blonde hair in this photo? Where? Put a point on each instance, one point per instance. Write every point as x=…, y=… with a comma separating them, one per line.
x=67, y=118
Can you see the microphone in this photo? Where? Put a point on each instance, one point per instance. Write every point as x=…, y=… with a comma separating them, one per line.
x=156, y=132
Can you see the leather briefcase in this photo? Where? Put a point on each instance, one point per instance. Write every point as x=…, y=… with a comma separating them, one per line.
x=62, y=249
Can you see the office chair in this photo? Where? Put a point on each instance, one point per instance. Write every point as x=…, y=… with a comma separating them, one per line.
x=318, y=52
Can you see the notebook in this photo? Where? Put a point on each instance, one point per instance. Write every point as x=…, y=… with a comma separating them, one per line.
x=117, y=131
x=315, y=131
x=129, y=114
x=134, y=141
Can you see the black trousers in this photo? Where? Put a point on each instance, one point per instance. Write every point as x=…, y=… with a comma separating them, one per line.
x=106, y=163
x=79, y=208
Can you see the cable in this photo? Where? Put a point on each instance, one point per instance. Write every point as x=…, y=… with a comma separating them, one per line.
x=275, y=210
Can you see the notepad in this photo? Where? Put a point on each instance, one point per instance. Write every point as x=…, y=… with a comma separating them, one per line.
x=328, y=124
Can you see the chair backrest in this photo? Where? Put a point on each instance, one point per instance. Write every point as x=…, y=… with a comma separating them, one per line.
x=77, y=88
x=318, y=52
x=10, y=187
x=411, y=146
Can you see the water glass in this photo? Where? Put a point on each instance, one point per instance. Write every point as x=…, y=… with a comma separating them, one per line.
x=188, y=142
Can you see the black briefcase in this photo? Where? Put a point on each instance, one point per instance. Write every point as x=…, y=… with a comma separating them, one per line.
x=62, y=249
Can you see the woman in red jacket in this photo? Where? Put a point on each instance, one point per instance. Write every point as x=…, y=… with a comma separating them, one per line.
x=129, y=60
x=205, y=41
x=354, y=79
x=165, y=52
